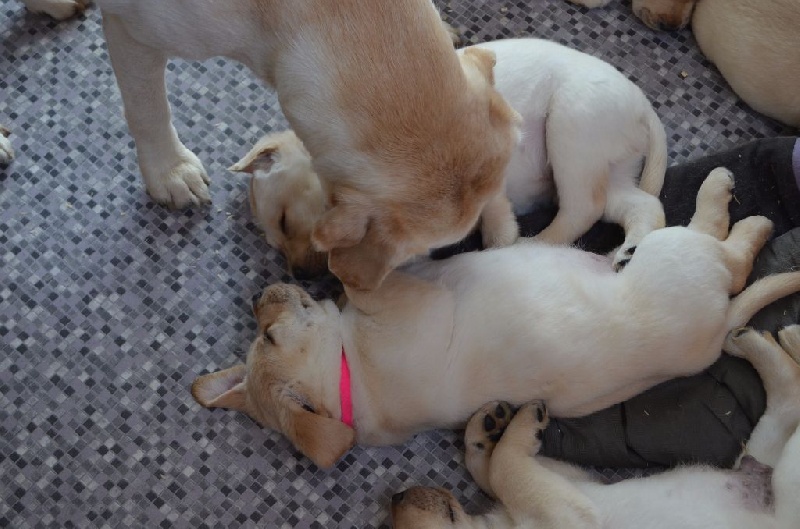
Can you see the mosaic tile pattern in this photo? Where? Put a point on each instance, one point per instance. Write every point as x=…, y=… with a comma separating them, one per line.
x=110, y=305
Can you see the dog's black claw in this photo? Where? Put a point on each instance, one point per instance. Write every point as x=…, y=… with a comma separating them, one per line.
x=539, y=434
x=539, y=414
x=500, y=411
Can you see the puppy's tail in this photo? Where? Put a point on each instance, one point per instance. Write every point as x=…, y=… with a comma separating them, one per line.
x=759, y=295
x=655, y=165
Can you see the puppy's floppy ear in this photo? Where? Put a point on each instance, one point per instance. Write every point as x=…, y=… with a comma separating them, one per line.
x=341, y=226
x=223, y=389
x=363, y=266
x=322, y=439
x=484, y=60
x=261, y=157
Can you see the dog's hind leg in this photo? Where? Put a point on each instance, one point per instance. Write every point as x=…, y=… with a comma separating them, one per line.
x=581, y=189
x=529, y=489
x=637, y=211
x=745, y=240
x=172, y=174
x=711, y=213
x=780, y=374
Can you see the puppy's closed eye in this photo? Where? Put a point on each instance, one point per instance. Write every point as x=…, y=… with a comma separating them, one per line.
x=269, y=336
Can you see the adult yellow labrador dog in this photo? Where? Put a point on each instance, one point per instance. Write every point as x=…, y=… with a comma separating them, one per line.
x=439, y=339
x=409, y=139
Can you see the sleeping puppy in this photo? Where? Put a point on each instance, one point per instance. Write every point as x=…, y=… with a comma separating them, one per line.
x=439, y=339
x=754, y=44
x=58, y=9
x=586, y=129
x=6, y=151
x=409, y=139
x=535, y=491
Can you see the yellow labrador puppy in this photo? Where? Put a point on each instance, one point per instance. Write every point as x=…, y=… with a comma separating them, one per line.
x=754, y=44
x=535, y=491
x=587, y=129
x=439, y=339
x=409, y=139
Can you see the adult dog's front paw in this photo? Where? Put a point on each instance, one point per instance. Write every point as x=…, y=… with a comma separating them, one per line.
x=58, y=9
x=6, y=151
x=186, y=184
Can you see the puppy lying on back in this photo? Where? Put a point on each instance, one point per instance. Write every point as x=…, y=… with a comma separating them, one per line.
x=409, y=139
x=536, y=492
x=586, y=129
x=439, y=339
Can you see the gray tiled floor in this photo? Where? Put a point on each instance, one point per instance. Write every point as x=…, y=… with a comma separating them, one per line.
x=110, y=305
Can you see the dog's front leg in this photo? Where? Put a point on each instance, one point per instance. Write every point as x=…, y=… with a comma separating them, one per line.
x=172, y=174
x=526, y=488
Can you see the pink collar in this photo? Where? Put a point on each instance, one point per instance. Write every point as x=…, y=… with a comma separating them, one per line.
x=345, y=397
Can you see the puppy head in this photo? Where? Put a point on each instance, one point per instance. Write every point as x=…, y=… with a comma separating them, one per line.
x=433, y=183
x=286, y=199
x=664, y=15
x=427, y=508
x=279, y=386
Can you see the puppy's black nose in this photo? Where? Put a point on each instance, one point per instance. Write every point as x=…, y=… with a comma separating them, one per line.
x=397, y=498
x=254, y=301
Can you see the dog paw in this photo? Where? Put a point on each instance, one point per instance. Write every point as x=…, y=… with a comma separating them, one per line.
x=58, y=9
x=487, y=425
x=484, y=430
x=623, y=256
x=529, y=424
x=184, y=185
x=6, y=151
x=744, y=340
x=722, y=180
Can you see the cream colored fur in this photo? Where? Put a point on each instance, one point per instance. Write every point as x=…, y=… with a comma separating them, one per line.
x=585, y=131
x=537, y=492
x=755, y=44
x=409, y=139
x=439, y=339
